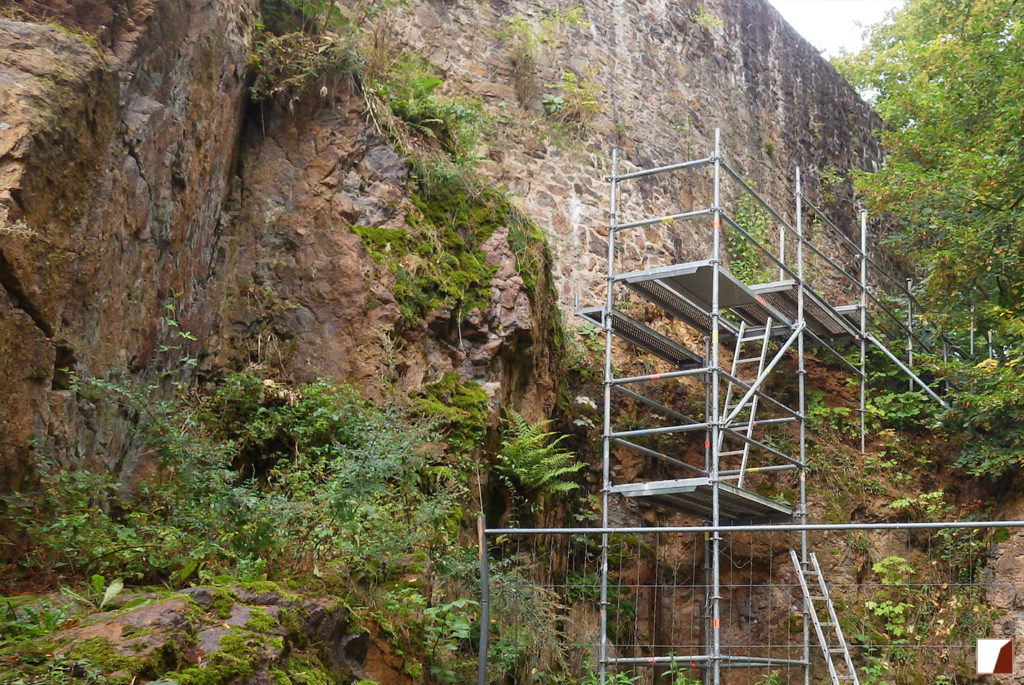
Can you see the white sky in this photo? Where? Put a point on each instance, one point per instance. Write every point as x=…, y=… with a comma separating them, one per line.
x=831, y=24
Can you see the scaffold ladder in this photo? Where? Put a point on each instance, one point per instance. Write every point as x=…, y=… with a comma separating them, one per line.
x=746, y=338
x=836, y=646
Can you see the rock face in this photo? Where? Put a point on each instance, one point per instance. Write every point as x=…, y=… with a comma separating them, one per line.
x=305, y=297
x=114, y=160
x=138, y=194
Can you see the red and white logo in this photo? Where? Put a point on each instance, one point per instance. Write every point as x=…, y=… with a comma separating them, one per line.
x=995, y=656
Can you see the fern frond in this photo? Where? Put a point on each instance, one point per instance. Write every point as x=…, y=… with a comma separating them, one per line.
x=531, y=457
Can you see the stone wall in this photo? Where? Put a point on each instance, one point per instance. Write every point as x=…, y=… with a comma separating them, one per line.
x=669, y=73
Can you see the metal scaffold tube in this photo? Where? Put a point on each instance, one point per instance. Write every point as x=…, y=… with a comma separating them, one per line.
x=801, y=411
x=769, y=527
x=716, y=540
x=606, y=483
x=863, y=327
x=485, y=602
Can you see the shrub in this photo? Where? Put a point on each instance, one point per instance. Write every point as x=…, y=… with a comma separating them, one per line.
x=261, y=479
x=287, y=66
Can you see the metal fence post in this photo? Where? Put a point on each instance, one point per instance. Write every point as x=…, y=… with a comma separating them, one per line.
x=485, y=603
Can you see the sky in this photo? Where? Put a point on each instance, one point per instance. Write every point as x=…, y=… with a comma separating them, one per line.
x=833, y=24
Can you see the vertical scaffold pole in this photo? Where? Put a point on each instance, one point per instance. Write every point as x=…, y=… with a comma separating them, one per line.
x=485, y=602
x=972, y=331
x=801, y=372
x=910, y=328
x=716, y=539
x=863, y=323
x=708, y=456
x=607, y=430
x=782, y=251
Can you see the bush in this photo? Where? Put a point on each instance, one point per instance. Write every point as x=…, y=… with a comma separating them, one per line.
x=260, y=480
x=287, y=66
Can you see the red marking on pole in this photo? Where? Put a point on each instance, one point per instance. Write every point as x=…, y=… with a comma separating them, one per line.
x=716, y=623
x=655, y=376
x=760, y=300
x=707, y=444
x=693, y=664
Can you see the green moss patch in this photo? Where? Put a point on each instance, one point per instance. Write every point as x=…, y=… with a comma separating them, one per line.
x=236, y=659
x=460, y=409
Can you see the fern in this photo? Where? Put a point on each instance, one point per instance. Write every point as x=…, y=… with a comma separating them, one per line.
x=531, y=459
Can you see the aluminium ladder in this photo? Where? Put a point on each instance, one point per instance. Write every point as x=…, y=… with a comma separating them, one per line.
x=837, y=646
x=759, y=337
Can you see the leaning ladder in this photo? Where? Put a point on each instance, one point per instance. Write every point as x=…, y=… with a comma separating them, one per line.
x=829, y=648
x=744, y=336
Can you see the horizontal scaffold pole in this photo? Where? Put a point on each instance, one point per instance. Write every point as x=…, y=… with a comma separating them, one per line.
x=765, y=527
x=733, y=473
x=661, y=219
x=726, y=659
x=660, y=170
x=682, y=428
x=660, y=376
x=658, y=455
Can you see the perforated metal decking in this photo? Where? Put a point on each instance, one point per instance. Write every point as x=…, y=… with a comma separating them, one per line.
x=645, y=338
x=684, y=291
x=693, y=496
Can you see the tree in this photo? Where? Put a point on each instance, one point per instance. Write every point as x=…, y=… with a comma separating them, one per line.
x=948, y=78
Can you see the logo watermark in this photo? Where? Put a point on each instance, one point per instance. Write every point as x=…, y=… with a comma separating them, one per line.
x=995, y=656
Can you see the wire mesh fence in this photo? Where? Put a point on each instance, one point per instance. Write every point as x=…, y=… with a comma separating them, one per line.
x=911, y=605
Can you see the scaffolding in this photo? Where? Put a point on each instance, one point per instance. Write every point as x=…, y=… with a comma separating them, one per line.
x=749, y=328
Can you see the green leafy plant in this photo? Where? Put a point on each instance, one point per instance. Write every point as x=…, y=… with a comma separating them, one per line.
x=100, y=593
x=614, y=678
x=525, y=39
x=288, y=66
x=408, y=86
x=678, y=675
x=530, y=459
x=887, y=605
x=573, y=100
x=19, y=622
x=447, y=627
x=744, y=258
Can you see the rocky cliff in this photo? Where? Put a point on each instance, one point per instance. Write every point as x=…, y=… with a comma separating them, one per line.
x=136, y=178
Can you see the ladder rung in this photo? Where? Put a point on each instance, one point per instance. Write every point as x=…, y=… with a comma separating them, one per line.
x=817, y=598
x=827, y=623
x=747, y=360
x=836, y=650
x=730, y=453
